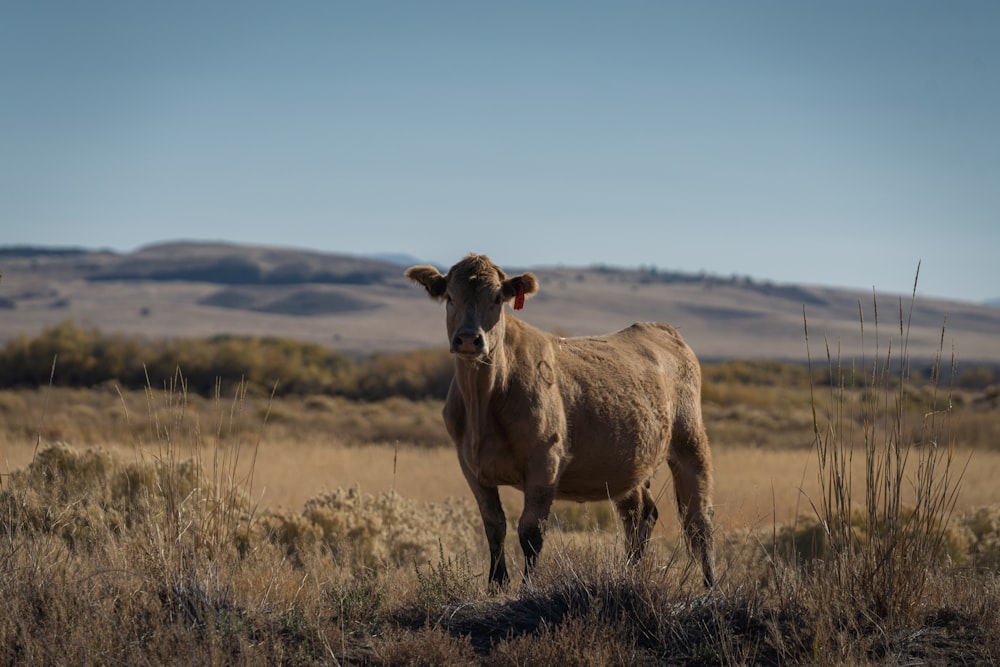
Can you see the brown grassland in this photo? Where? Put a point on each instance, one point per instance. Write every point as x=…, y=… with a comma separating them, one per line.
x=858, y=522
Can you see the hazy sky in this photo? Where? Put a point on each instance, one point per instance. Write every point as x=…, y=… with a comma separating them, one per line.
x=828, y=143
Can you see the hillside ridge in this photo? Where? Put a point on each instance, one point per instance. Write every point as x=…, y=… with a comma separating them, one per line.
x=362, y=304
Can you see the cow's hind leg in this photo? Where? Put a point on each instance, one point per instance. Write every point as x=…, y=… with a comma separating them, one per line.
x=691, y=466
x=638, y=514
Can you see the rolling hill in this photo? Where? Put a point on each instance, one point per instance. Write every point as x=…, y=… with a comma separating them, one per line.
x=363, y=305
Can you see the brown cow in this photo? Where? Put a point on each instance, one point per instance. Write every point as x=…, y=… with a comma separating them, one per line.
x=576, y=418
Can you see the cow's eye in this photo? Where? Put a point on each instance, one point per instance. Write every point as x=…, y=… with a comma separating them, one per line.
x=498, y=300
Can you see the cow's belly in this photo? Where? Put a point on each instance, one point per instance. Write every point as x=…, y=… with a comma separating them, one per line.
x=602, y=482
x=611, y=456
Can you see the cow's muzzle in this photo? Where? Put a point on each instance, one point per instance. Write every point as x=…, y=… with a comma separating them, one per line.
x=472, y=343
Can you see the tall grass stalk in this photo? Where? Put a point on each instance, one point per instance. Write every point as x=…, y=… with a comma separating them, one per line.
x=204, y=480
x=882, y=549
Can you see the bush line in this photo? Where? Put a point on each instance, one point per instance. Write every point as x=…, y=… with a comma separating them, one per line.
x=88, y=357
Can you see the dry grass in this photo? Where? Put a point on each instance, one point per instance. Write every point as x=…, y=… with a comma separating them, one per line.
x=174, y=529
x=108, y=560
x=315, y=445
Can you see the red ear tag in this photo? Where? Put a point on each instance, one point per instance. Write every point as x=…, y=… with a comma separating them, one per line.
x=519, y=299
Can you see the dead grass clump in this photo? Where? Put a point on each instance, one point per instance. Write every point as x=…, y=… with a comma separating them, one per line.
x=374, y=531
x=430, y=645
x=955, y=622
x=79, y=496
x=983, y=528
x=581, y=641
x=807, y=540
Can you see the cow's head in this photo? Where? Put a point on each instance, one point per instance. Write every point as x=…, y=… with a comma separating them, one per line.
x=475, y=290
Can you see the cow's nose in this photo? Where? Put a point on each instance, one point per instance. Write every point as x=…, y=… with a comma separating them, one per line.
x=468, y=343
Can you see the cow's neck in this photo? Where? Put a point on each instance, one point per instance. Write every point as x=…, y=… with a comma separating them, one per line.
x=479, y=381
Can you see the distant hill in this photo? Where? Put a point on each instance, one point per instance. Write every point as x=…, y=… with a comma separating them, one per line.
x=397, y=258
x=244, y=265
x=364, y=304
x=27, y=251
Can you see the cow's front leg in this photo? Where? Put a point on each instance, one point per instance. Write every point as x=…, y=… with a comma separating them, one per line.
x=537, y=505
x=495, y=523
x=539, y=491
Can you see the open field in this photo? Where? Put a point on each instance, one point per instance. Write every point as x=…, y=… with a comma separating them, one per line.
x=259, y=553
x=765, y=466
x=300, y=447
x=754, y=486
x=858, y=523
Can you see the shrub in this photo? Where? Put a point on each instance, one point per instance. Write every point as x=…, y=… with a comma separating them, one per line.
x=364, y=531
x=983, y=528
x=85, y=357
x=80, y=496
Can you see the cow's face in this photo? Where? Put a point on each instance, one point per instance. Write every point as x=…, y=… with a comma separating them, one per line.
x=475, y=290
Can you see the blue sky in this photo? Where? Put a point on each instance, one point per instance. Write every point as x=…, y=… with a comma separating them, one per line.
x=833, y=143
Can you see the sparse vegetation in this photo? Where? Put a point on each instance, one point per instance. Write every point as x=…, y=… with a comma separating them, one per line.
x=87, y=357
x=155, y=551
x=106, y=560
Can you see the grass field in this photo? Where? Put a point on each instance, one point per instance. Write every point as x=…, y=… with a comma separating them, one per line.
x=765, y=465
x=162, y=528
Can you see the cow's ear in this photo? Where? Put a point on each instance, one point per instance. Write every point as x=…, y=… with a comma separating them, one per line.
x=430, y=278
x=519, y=287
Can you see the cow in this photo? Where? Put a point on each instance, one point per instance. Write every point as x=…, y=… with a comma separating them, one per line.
x=583, y=418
